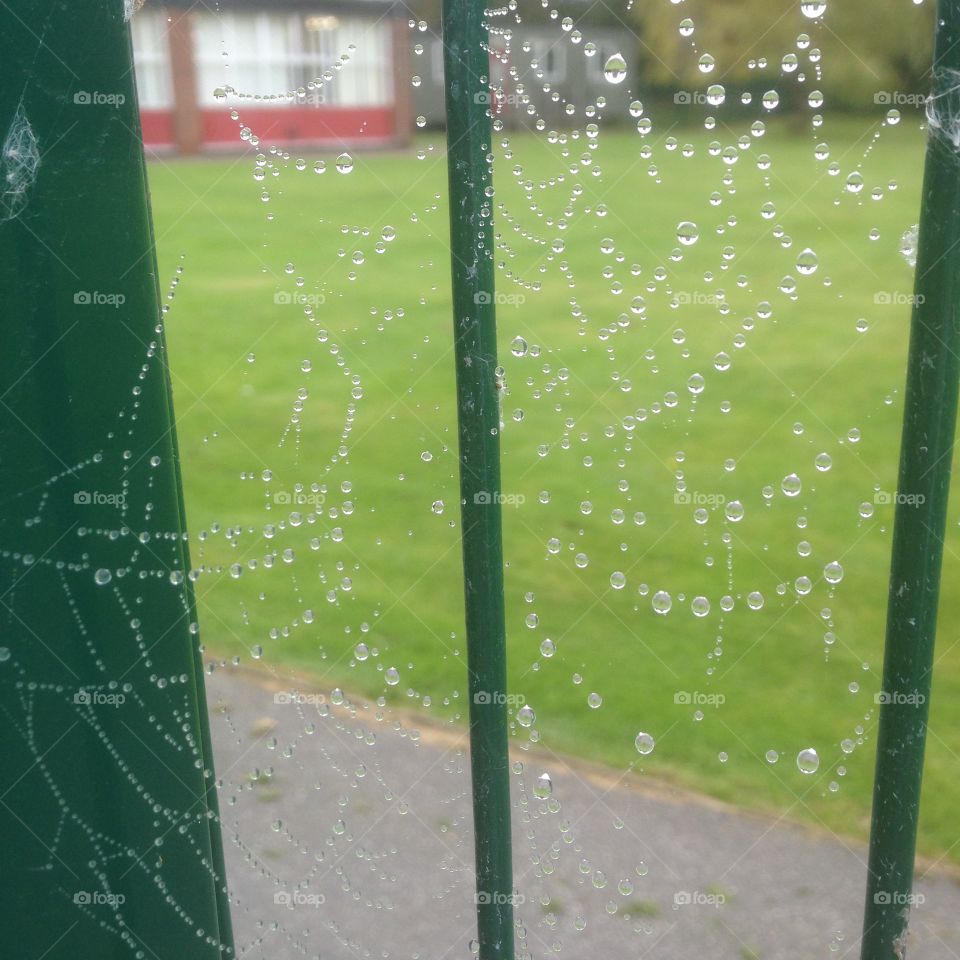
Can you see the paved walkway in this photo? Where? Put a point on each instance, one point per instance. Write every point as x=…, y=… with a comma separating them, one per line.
x=349, y=837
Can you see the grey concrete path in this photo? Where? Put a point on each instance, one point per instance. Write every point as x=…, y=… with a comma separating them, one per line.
x=349, y=836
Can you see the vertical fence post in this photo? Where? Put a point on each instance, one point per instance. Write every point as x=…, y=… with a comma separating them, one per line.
x=108, y=810
x=930, y=410
x=466, y=68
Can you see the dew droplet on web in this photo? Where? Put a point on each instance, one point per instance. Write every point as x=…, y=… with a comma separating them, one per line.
x=813, y=9
x=543, y=787
x=644, y=743
x=615, y=69
x=526, y=716
x=687, y=232
x=808, y=761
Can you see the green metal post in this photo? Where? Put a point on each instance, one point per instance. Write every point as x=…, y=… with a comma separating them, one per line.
x=108, y=812
x=930, y=411
x=471, y=240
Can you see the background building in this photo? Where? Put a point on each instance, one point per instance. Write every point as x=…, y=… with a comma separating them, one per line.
x=267, y=59
x=195, y=65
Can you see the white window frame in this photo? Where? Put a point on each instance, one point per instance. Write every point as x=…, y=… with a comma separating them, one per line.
x=151, y=56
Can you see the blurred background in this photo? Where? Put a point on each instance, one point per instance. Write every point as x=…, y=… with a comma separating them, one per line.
x=275, y=49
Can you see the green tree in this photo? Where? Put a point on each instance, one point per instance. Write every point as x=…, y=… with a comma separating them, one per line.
x=867, y=47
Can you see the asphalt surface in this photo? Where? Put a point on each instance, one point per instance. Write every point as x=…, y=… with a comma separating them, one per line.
x=349, y=835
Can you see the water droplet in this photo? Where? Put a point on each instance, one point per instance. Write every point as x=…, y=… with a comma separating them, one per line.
x=344, y=163
x=791, y=485
x=807, y=262
x=808, y=761
x=833, y=572
x=543, y=787
x=813, y=8
x=661, y=602
x=716, y=94
x=102, y=576
x=908, y=245
x=734, y=511
x=615, y=69
x=644, y=743
x=854, y=182
x=687, y=232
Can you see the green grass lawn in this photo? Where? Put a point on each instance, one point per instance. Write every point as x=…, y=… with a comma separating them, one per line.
x=355, y=402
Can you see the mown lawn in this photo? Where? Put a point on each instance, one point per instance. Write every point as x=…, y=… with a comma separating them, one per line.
x=356, y=403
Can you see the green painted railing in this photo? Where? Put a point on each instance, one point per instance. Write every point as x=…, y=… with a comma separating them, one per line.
x=466, y=68
x=108, y=811
x=929, y=426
